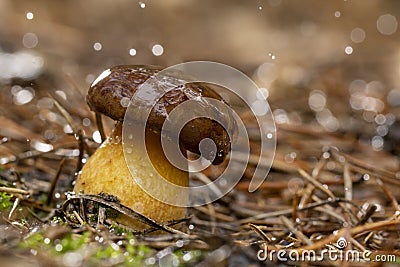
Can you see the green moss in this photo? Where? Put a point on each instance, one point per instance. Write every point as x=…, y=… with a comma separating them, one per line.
x=5, y=201
x=112, y=214
x=92, y=218
x=118, y=229
x=128, y=255
x=68, y=243
x=34, y=241
x=126, y=252
x=57, y=220
x=136, y=255
x=186, y=258
x=72, y=243
x=42, y=198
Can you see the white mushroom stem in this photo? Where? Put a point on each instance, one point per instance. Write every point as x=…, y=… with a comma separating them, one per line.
x=106, y=171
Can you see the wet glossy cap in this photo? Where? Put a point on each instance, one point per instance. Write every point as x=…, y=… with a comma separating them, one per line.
x=111, y=92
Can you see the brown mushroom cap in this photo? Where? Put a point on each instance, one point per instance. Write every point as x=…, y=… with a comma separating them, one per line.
x=121, y=82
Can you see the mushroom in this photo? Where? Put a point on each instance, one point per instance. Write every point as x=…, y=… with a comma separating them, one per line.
x=106, y=171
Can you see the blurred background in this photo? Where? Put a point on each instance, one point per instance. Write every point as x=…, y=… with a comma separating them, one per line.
x=334, y=65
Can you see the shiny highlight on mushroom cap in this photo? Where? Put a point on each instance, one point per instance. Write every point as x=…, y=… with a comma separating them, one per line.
x=111, y=92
